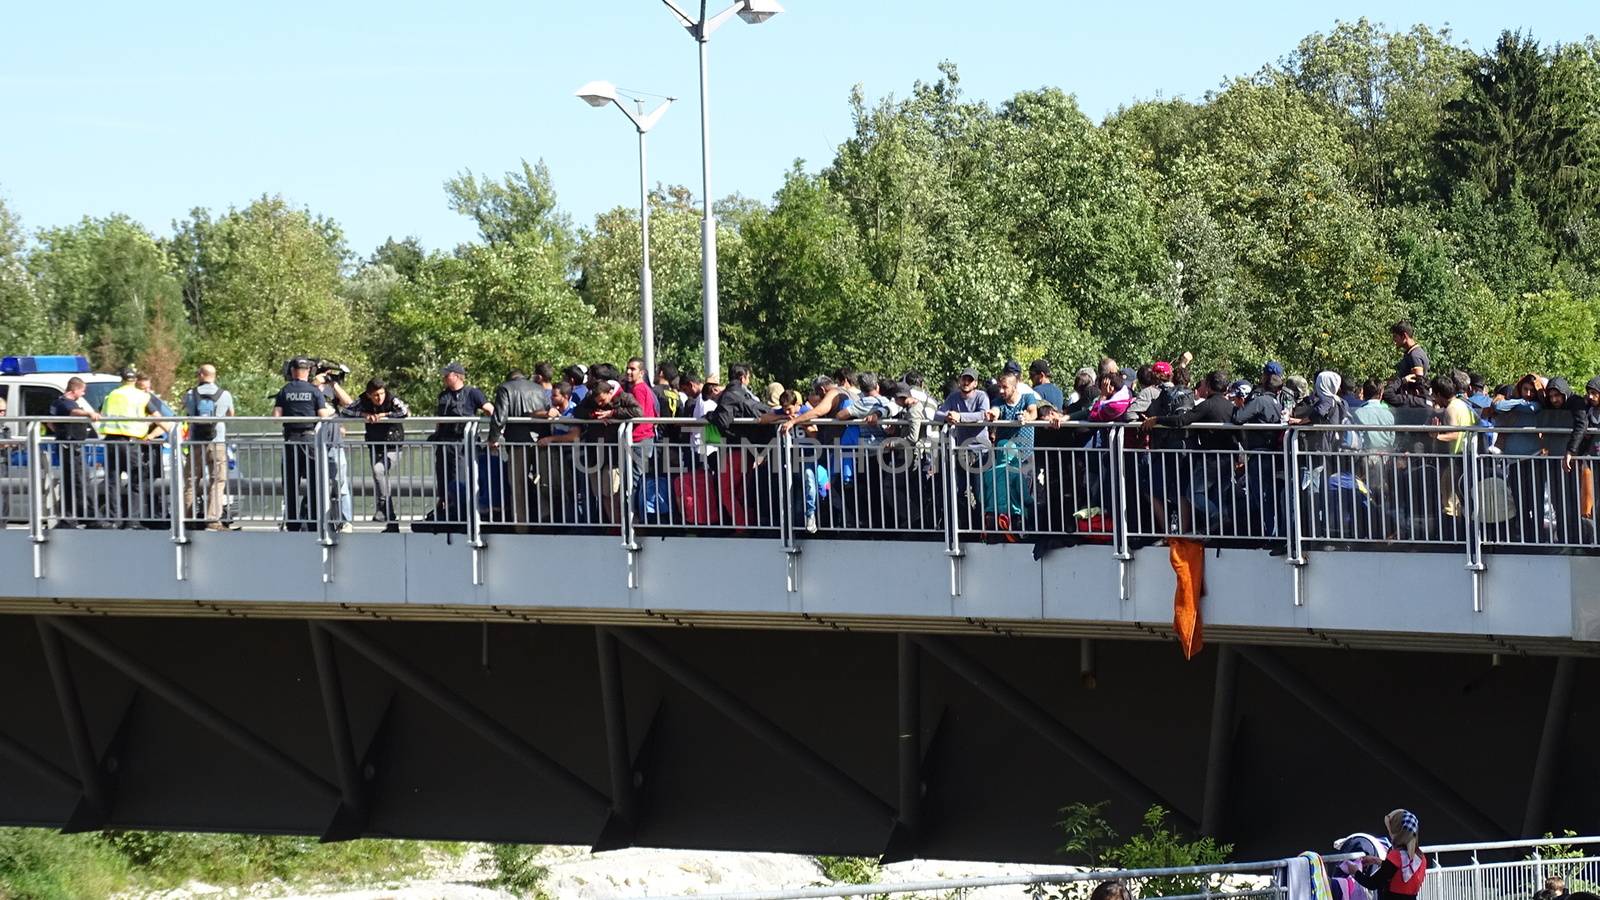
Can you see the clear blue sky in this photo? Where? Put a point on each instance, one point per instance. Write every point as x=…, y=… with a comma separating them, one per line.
x=360, y=110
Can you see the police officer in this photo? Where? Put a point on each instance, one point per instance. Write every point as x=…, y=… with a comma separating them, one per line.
x=124, y=451
x=457, y=400
x=300, y=399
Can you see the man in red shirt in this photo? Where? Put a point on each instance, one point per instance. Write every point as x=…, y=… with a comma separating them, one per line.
x=644, y=434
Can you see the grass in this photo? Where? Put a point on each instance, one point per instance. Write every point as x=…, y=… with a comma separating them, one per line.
x=36, y=864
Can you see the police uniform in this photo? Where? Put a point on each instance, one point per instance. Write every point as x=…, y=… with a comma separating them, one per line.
x=126, y=452
x=448, y=454
x=302, y=504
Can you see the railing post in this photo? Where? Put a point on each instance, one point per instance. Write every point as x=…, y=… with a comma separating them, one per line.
x=1295, y=554
x=953, y=498
x=1470, y=518
x=786, y=474
x=319, y=495
x=474, y=523
x=625, y=515
x=1122, y=549
x=36, y=499
x=176, y=479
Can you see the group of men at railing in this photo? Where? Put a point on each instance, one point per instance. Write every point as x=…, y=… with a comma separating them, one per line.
x=1418, y=456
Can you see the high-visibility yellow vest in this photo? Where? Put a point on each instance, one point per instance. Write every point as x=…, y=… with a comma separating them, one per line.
x=125, y=402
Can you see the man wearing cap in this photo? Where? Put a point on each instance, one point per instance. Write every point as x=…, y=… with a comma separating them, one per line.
x=126, y=406
x=967, y=408
x=458, y=400
x=300, y=399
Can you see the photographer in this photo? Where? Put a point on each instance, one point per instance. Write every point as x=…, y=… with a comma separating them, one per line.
x=385, y=436
x=329, y=378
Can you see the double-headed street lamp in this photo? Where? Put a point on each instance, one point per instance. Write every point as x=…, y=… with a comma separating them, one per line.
x=754, y=12
x=601, y=94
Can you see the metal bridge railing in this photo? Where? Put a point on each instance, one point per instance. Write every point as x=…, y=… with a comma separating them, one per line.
x=1292, y=488
x=1472, y=879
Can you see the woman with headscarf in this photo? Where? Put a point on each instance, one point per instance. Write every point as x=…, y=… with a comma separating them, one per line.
x=1323, y=407
x=1401, y=872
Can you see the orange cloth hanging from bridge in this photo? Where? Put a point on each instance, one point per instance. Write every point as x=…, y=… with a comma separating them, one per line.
x=1189, y=564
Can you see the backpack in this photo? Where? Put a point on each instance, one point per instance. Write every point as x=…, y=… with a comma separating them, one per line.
x=203, y=405
x=667, y=407
x=1175, y=400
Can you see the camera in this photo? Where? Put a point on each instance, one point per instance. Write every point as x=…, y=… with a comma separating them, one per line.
x=333, y=371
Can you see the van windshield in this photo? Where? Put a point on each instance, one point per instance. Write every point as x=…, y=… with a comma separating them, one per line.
x=96, y=392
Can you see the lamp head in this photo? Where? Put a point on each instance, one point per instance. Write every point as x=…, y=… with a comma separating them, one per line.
x=598, y=93
x=757, y=11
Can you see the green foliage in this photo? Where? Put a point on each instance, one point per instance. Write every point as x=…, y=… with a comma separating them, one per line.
x=24, y=321
x=850, y=869
x=1568, y=872
x=41, y=865
x=264, y=284
x=514, y=868
x=519, y=207
x=1090, y=838
x=108, y=280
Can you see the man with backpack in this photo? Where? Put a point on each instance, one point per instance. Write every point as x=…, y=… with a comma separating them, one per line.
x=208, y=449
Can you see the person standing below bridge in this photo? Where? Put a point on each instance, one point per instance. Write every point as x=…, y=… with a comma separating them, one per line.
x=1400, y=874
x=299, y=399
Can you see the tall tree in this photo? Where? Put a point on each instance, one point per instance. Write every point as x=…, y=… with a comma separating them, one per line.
x=1529, y=122
x=520, y=206
x=24, y=325
x=266, y=280
x=109, y=280
x=1386, y=92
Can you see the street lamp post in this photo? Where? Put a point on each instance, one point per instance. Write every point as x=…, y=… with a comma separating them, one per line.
x=604, y=93
x=754, y=12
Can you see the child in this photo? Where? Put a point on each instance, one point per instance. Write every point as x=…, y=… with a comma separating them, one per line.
x=1401, y=873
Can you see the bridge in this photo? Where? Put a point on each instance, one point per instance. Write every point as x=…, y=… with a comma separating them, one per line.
x=907, y=646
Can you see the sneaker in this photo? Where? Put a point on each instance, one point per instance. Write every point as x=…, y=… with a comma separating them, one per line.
x=216, y=526
x=811, y=523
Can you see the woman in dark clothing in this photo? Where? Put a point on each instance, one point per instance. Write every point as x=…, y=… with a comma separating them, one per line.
x=1401, y=872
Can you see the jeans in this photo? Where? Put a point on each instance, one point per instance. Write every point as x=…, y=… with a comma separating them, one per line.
x=384, y=461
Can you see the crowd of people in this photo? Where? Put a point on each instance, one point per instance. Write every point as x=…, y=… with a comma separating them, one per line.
x=1033, y=453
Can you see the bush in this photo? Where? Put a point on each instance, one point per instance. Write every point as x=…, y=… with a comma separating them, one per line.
x=36, y=864
x=515, y=869
x=1154, y=847
x=850, y=869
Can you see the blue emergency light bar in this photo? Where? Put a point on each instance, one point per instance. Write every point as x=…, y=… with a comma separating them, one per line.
x=43, y=365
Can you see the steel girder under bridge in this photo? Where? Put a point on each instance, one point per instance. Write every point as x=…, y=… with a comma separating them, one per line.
x=813, y=741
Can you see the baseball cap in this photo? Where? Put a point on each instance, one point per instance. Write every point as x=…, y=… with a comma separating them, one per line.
x=1164, y=369
x=1039, y=367
x=1012, y=366
x=1272, y=368
x=970, y=372
x=1240, y=389
x=454, y=368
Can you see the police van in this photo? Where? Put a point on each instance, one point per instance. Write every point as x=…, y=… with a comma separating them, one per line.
x=30, y=384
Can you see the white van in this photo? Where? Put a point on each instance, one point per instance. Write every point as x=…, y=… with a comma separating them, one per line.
x=30, y=384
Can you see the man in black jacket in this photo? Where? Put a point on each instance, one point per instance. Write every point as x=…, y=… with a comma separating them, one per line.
x=1203, y=483
x=517, y=401
x=384, y=414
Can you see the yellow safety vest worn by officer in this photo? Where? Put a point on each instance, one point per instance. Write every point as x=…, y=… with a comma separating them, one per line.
x=125, y=402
